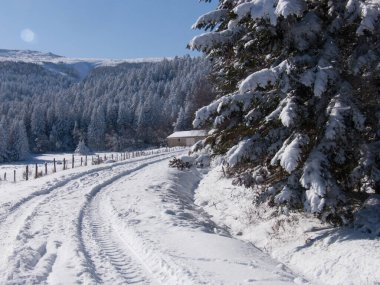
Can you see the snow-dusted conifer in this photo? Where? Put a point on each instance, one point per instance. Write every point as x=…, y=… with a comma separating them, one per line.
x=82, y=149
x=18, y=146
x=97, y=129
x=3, y=140
x=180, y=123
x=39, y=140
x=299, y=93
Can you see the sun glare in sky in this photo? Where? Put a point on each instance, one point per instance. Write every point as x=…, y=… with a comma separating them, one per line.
x=27, y=35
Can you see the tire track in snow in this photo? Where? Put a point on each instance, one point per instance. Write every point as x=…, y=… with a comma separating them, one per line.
x=31, y=250
x=161, y=266
x=107, y=249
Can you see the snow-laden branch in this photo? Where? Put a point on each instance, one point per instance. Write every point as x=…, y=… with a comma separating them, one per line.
x=370, y=13
x=257, y=9
x=239, y=152
x=324, y=72
x=286, y=8
x=305, y=32
x=222, y=108
x=207, y=41
x=290, y=153
x=270, y=9
x=211, y=18
x=313, y=177
x=288, y=114
x=265, y=77
x=336, y=112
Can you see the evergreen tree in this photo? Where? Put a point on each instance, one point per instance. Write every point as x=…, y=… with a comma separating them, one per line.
x=180, y=124
x=82, y=149
x=97, y=129
x=297, y=116
x=39, y=141
x=3, y=140
x=18, y=147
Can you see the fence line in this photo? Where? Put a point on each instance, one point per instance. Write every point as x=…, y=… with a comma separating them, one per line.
x=42, y=169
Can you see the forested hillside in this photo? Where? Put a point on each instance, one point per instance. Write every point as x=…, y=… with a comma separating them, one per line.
x=113, y=108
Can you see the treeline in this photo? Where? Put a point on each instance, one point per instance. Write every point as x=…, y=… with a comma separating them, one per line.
x=113, y=108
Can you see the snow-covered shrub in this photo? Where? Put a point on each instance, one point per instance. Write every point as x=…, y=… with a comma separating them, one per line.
x=203, y=160
x=181, y=163
x=298, y=97
x=368, y=217
x=82, y=149
x=201, y=153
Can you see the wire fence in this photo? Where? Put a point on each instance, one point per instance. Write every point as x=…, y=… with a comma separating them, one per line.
x=29, y=171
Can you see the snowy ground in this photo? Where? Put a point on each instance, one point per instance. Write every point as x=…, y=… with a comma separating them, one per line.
x=324, y=255
x=131, y=221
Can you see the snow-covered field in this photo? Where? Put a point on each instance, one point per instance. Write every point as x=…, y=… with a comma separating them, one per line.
x=131, y=221
x=7, y=169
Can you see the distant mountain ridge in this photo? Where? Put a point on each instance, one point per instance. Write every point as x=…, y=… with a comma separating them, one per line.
x=80, y=67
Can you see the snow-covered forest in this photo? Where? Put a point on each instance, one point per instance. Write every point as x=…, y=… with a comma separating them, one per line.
x=297, y=117
x=50, y=108
x=282, y=186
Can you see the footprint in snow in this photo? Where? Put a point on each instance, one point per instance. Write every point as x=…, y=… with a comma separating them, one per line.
x=169, y=212
x=134, y=222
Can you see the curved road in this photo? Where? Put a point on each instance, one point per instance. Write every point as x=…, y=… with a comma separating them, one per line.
x=123, y=223
x=54, y=228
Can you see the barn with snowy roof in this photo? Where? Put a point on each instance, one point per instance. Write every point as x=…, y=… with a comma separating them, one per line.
x=186, y=138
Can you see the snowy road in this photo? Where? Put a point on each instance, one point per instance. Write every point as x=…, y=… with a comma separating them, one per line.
x=127, y=222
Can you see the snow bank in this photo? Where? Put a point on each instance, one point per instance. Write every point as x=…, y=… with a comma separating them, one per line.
x=323, y=254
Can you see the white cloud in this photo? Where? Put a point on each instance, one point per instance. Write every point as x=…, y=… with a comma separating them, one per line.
x=27, y=35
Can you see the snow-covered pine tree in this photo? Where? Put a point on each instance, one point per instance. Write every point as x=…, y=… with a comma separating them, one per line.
x=297, y=117
x=180, y=124
x=97, y=129
x=3, y=140
x=39, y=140
x=82, y=149
x=18, y=146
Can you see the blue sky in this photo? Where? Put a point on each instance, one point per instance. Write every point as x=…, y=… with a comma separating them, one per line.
x=101, y=28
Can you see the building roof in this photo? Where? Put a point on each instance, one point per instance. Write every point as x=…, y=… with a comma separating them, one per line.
x=186, y=134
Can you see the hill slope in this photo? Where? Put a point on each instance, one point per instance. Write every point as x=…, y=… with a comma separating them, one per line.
x=50, y=103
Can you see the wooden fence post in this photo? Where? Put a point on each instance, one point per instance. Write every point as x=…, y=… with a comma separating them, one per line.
x=45, y=168
x=81, y=161
x=54, y=167
x=72, y=161
x=36, y=172
x=14, y=175
x=27, y=173
x=85, y=161
x=64, y=163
